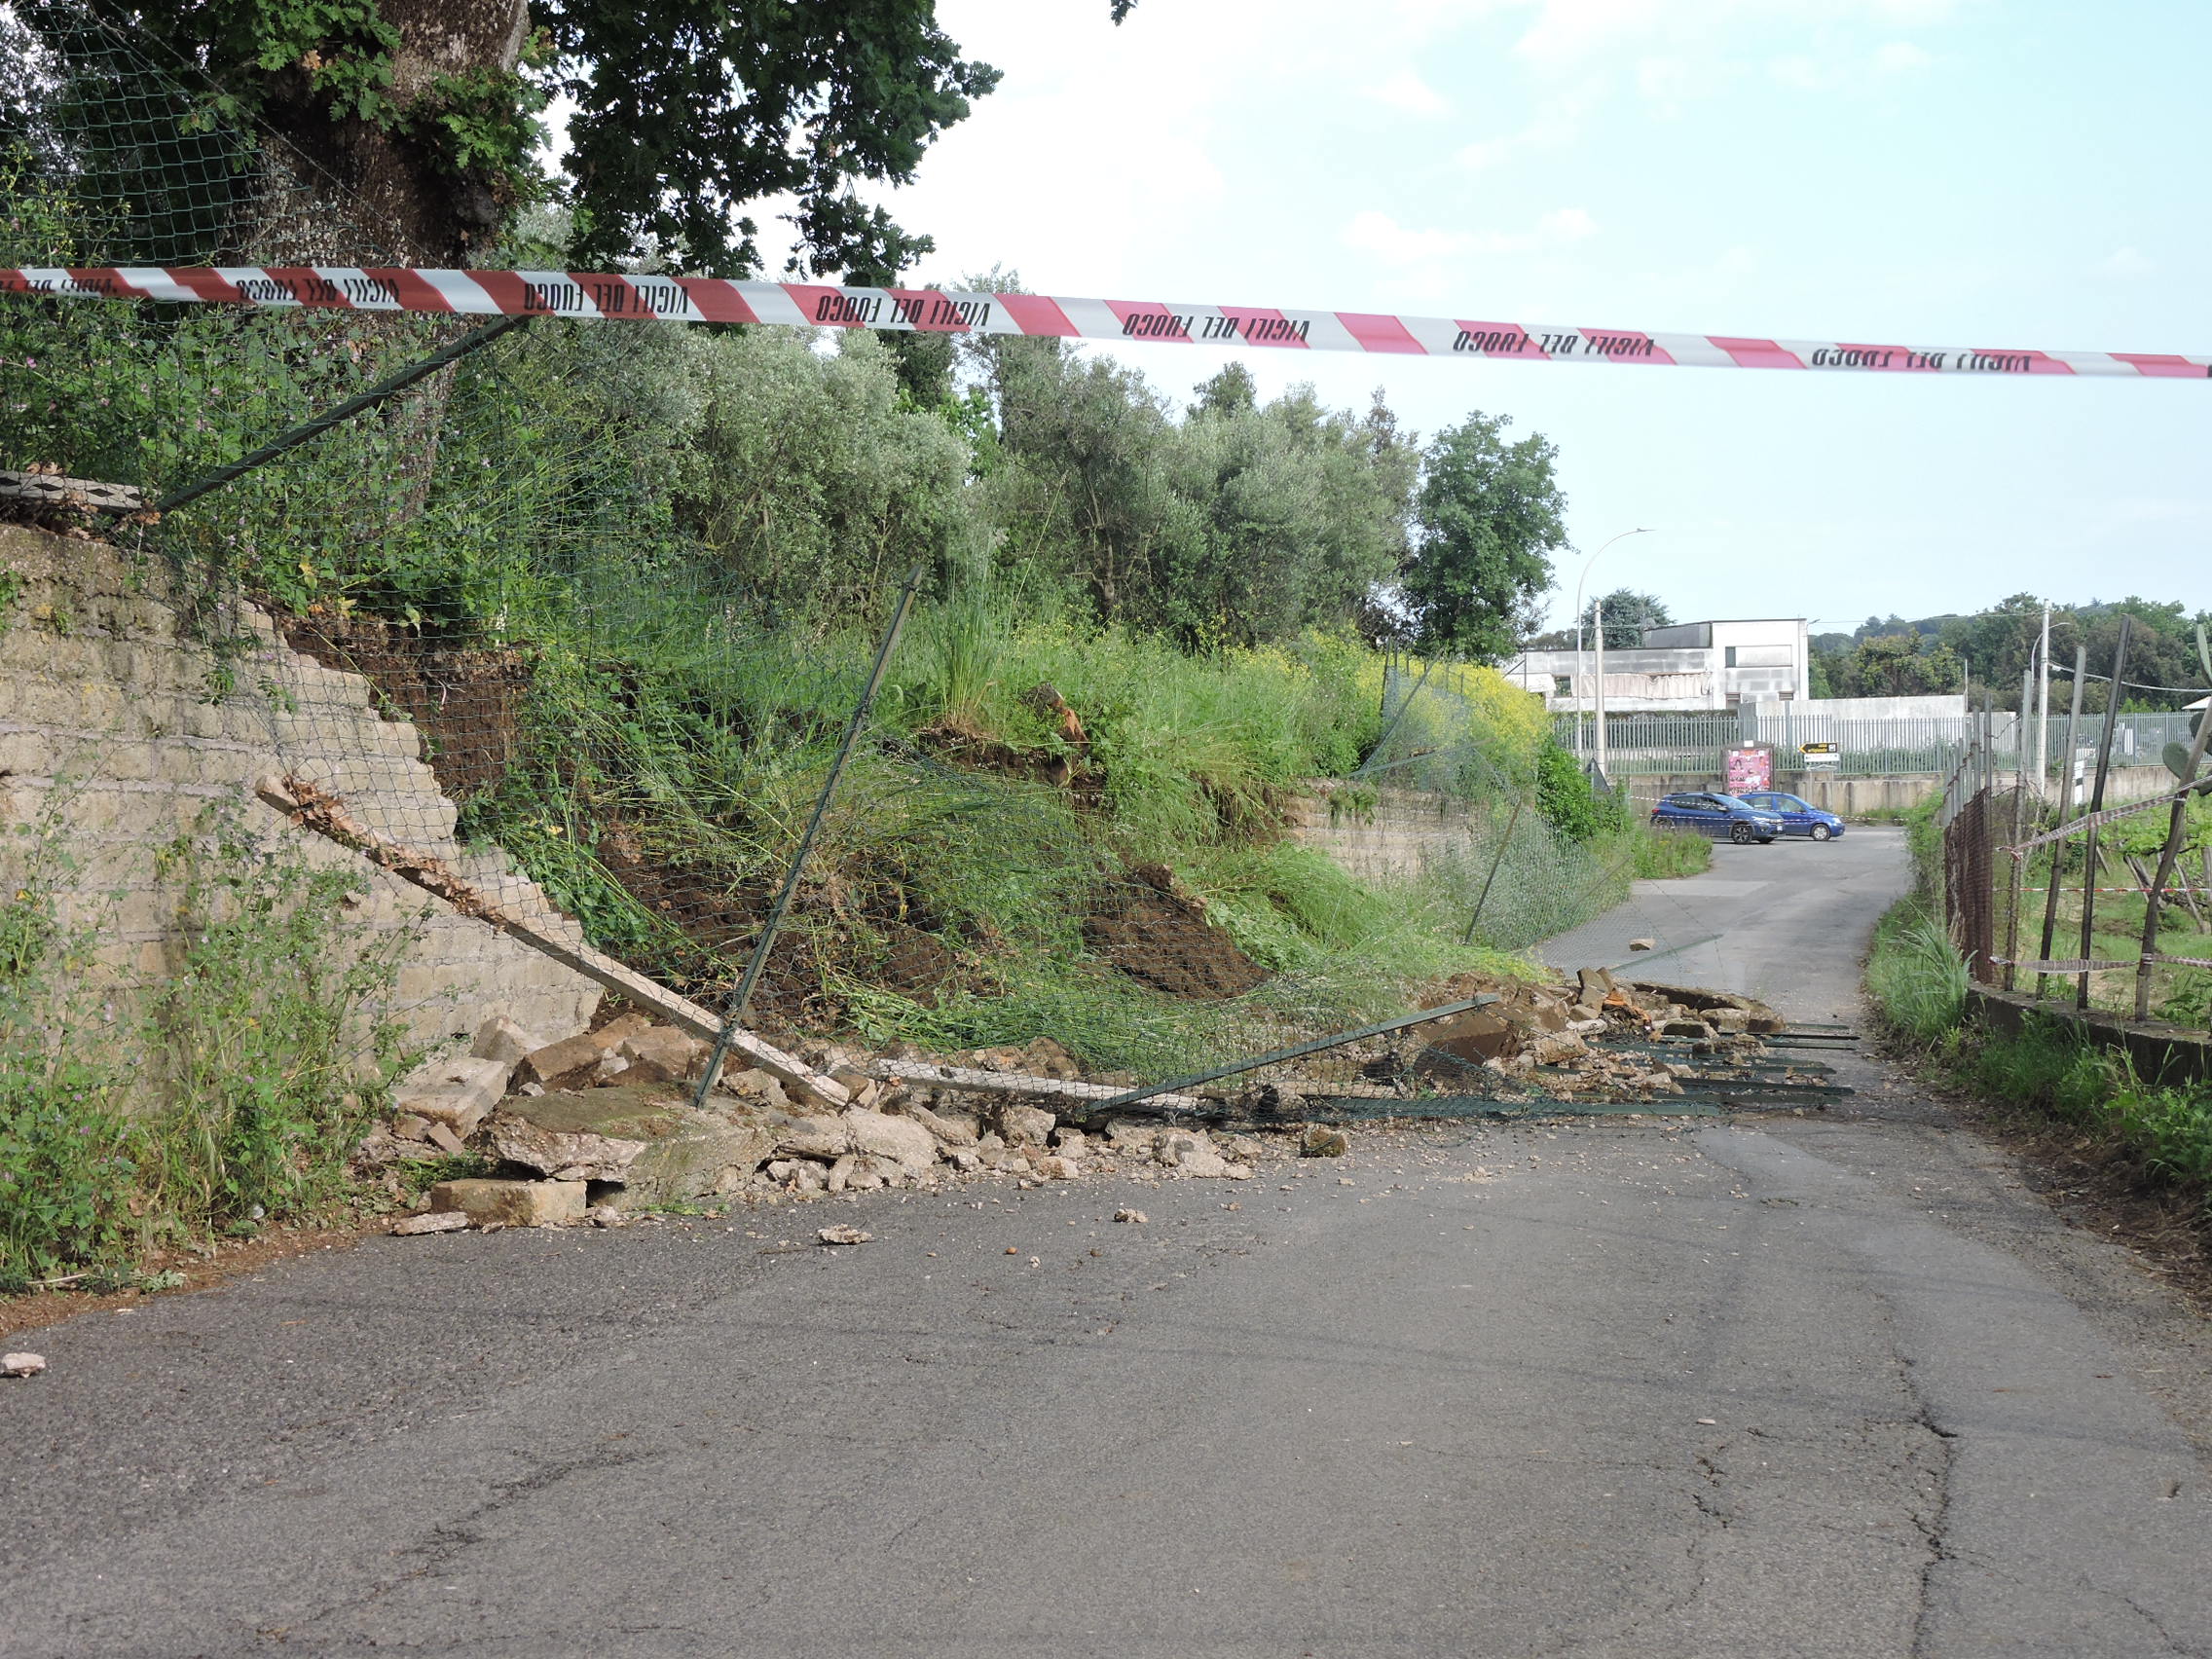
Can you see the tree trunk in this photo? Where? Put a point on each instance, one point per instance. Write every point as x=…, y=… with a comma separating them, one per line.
x=420, y=212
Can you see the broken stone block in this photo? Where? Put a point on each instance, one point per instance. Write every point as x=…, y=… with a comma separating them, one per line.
x=445, y=1140
x=754, y=1085
x=1480, y=1034
x=948, y=1131
x=825, y=1138
x=1242, y=1148
x=1131, y=1215
x=510, y=1204
x=619, y=1030
x=843, y=1236
x=1644, y=944
x=1554, y=1046
x=408, y=1126
x=21, y=1364
x=456, y=1093
x=610, y=1066
x=1026, y=1126
x=662, y=1055
x=1068, y=1143
x=902, y=1140
x=1595, y=984
x=963, y=1158
x=432, y=1221
x=502, y=1038
x=1321, y=1141
x=683, y=1154
x=579, y=1154
x=567, y=1064
x=1686, y=1027
x=1053, y=1168
x=841, y=1172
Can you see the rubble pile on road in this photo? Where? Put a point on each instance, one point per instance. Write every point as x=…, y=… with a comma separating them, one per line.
x=600, y=1125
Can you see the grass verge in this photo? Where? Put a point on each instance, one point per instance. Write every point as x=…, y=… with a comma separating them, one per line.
x=2046, y=1070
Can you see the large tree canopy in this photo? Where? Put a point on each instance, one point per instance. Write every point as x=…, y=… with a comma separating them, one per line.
x=686, y=112
x=1490, y=517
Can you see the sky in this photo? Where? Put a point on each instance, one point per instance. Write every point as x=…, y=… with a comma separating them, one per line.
x=1943, y=172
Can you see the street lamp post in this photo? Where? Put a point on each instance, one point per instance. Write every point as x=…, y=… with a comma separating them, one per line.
x=1579, y=664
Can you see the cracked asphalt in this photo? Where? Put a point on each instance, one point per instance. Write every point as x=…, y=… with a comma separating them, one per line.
x=1832, y=1384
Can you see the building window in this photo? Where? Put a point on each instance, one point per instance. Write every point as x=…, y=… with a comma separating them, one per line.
x=1731, y=650
x=1563, y=685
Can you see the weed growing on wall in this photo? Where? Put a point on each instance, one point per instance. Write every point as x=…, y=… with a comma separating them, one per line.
x=272, y=1049
x=234, y=1099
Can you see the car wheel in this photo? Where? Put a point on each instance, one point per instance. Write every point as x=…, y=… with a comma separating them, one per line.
x=1739, y=834
x=1819, y=832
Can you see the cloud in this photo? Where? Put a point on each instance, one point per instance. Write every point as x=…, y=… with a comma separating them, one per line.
x=2125, y=262
x=1428, y=263
x=1409, y=93
x=1899, y=57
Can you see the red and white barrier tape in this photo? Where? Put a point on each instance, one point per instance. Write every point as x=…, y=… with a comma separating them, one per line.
x=708, y=299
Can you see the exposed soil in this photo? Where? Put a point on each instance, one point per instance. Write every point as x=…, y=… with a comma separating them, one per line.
x=1161, y=938
x=465, y=700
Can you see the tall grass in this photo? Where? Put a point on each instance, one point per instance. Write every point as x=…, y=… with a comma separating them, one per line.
x=1916, y=975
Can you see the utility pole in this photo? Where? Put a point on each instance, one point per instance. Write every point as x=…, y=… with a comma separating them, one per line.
x=1598, y=626
x=2042, y=706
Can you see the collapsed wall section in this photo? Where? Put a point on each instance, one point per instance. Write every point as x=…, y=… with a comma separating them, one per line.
x=131, y=706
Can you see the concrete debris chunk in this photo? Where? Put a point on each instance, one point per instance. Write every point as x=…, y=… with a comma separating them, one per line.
x=1321, y=1141
x=444, y=1139
x=21, y=1364
x=754, y=1085
x=430, y=1221
x=950, y=1132
x=1131, y=1215
x=665, y=1054
x=1058, y=1168
x=902, y=1140
x=569, y=1063
x=502, y=1038
x=562, y=1155
x=1026, y=1126
x=825, y=1138
x=616, y=1032
x=1644, y=944
x=845, y=1236
x=510, y=1204
x=456, y=1093
x=682, y=1154
x=605, y=1215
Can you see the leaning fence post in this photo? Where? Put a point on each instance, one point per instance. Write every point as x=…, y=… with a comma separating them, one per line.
x=2097, y=805
x=2168, y=854
x=742, y=999
x=1499, y=858
x=2065, y=809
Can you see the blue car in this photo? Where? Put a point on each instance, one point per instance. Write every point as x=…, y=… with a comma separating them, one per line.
x=1798, y=817
x=1723, y=816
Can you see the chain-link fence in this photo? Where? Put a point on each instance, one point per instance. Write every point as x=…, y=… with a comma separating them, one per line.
x=560, y=742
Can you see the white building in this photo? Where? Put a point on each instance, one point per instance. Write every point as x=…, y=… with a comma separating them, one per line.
x=1680, y=669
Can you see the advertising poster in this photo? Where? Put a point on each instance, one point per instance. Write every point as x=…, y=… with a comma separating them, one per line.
x=1750, y=767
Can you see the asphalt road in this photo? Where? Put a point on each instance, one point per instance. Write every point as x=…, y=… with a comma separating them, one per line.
x=1825, y=1386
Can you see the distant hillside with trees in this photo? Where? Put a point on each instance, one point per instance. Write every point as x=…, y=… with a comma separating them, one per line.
x=1894, y=657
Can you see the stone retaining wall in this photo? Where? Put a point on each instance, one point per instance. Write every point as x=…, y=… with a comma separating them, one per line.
x=1388, y=835
x=120, y=728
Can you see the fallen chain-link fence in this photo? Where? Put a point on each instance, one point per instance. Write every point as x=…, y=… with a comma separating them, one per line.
x=441, y=620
